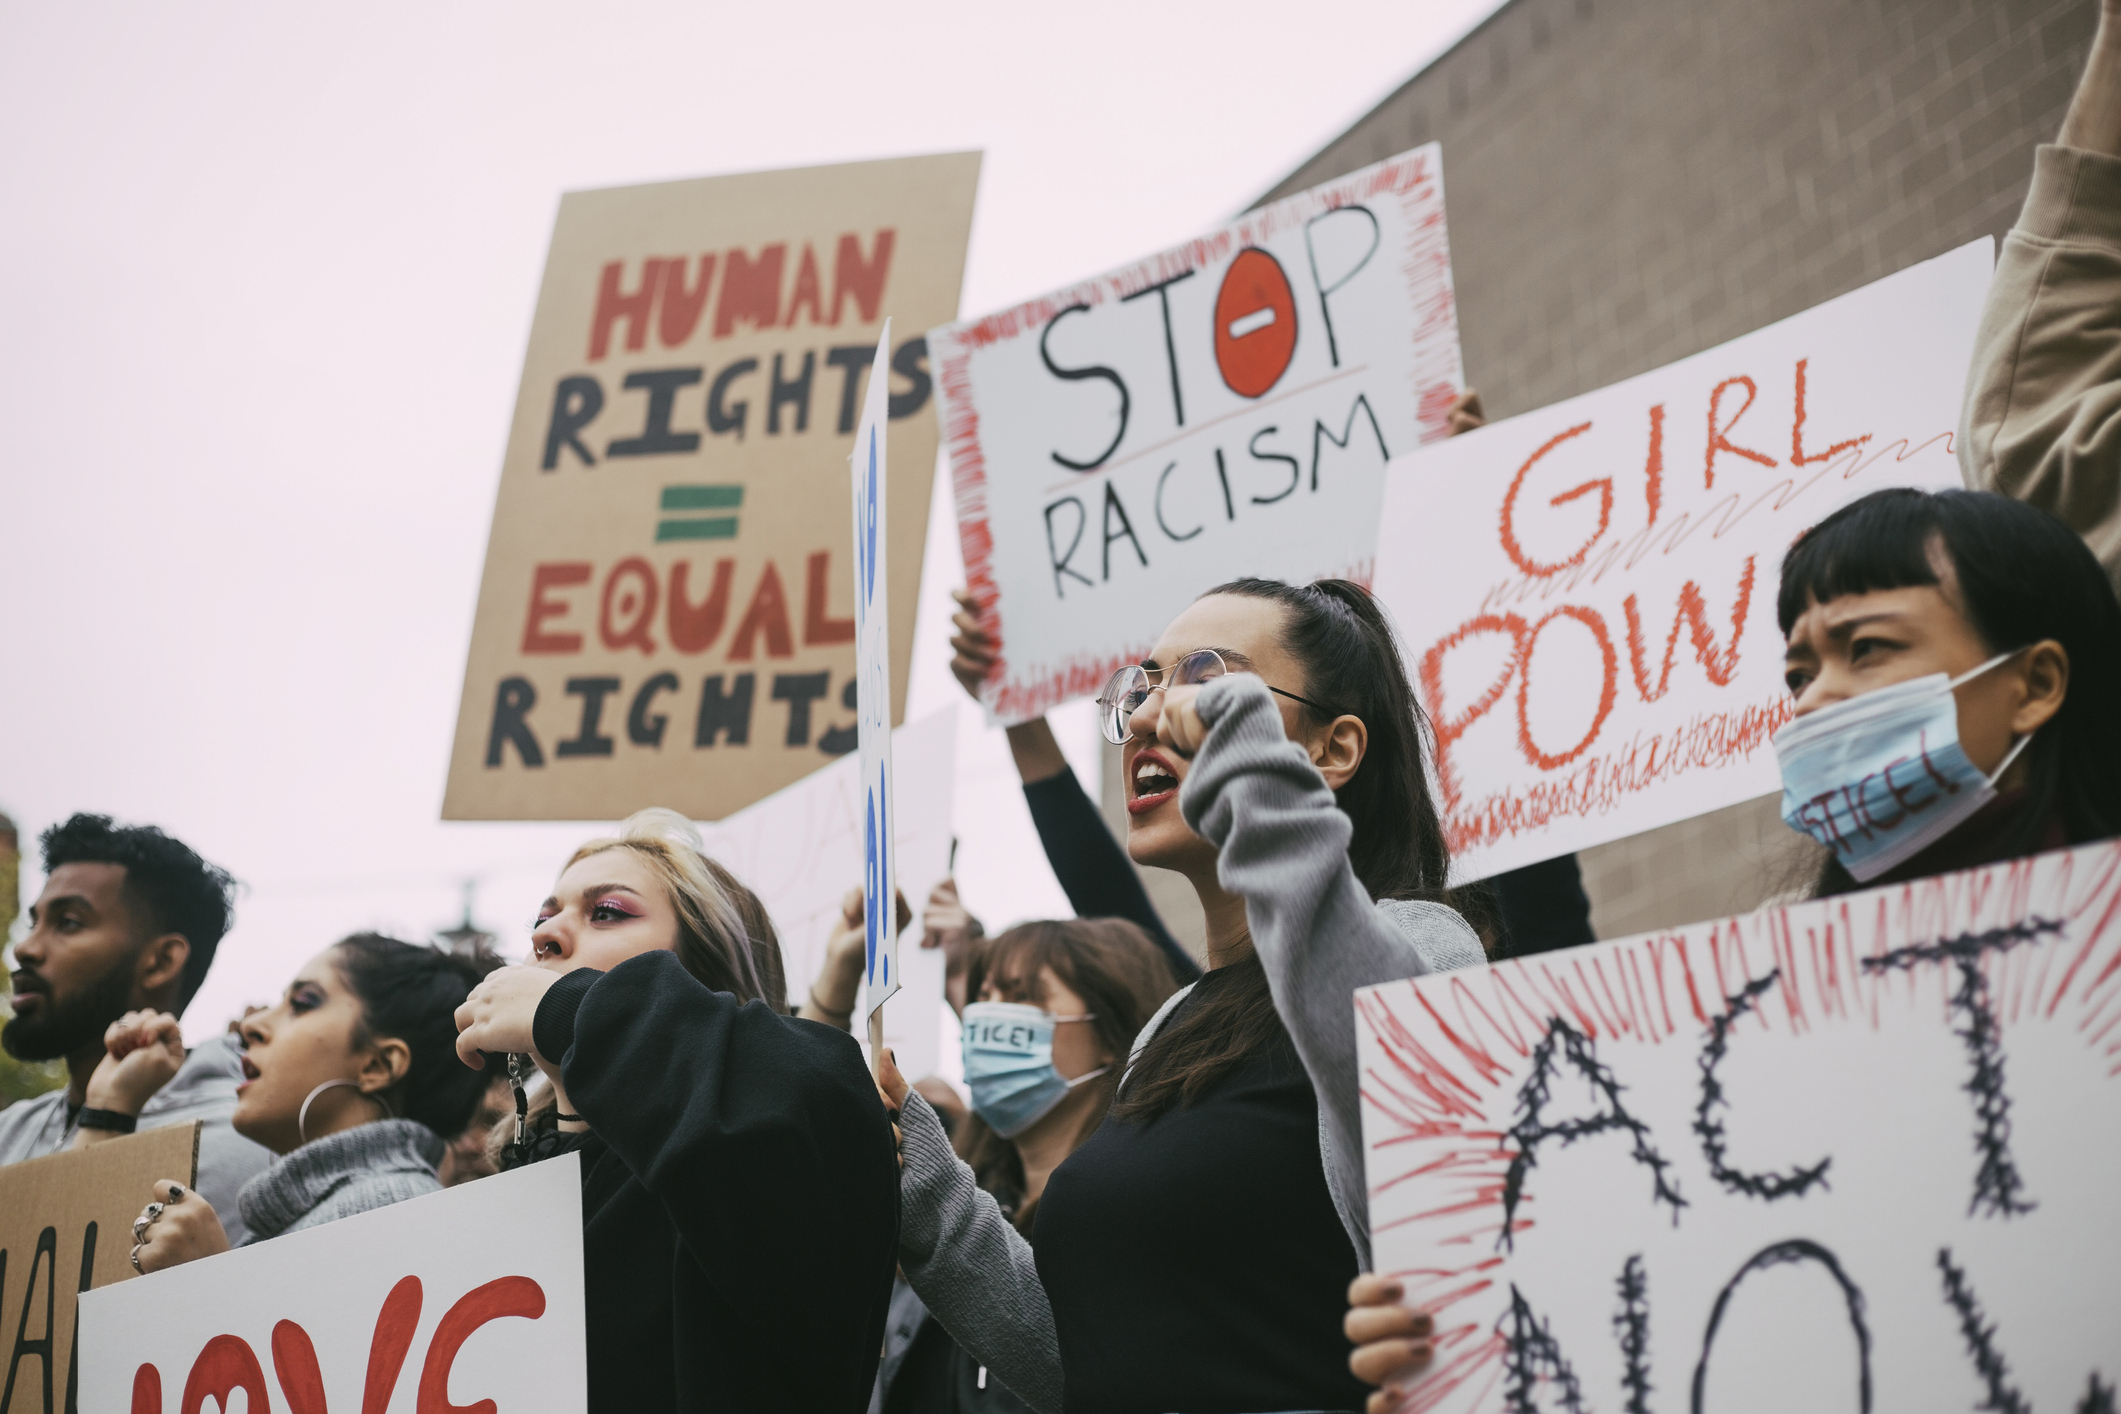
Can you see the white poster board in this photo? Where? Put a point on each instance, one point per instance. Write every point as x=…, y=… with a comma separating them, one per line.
x=1222, y=408
x=1852, y=1154
x=872, y=676
x=469, y=1298
x=800, y=851
x=1586, y=594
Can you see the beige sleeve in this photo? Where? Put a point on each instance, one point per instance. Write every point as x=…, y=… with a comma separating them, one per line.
x=2042, y=419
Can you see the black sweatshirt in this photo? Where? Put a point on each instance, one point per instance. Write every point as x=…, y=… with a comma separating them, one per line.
x=1196, y=1262
x=1093, y=870
x=739, y=1196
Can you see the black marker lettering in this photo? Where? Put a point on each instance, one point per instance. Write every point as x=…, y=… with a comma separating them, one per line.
x=656, y=437
x=1076, y=374
x=1162, y=291
x=1796, y=1250
x=799, y=690
x=720, y=417
x=1320, y=436
x=589, y=741
x=730, y=713
x=1998, y=1190
x=1709, y=1125
x=1125, y=532
x=1161, y=523
x=1318, y=282
x=1222, y=474
x=641, y=728
x=1053, y=550
x=512, y=702
x=575, y=404
x=850, y=359
x=1296, y=471
x=1532, y=1128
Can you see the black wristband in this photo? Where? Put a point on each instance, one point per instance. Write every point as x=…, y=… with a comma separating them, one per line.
x=113, y=1120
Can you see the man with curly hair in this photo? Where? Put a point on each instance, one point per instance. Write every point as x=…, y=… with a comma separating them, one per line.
x=128, y=921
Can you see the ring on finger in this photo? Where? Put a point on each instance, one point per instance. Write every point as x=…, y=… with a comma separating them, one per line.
x=136, y=1260
x=145, y=1221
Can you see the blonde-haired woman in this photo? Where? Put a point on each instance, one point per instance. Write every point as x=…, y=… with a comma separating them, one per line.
x=736, y=1168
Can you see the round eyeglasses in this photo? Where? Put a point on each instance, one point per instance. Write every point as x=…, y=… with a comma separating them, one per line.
x=1130, y=687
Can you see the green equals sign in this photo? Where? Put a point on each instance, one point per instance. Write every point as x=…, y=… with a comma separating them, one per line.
x=698, y=498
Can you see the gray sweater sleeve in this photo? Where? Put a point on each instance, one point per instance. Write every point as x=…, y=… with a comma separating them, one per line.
x=1255, y=795
x=971, y=1266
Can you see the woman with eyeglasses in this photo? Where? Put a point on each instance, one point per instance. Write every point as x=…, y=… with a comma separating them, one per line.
x=1195, y=1252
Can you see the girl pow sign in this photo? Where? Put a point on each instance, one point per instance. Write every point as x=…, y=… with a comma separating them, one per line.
x=1854, y=1154
x=1222, y=408
x=1587, y=593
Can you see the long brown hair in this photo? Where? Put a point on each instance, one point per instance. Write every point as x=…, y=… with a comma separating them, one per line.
x=1122, y=978
x=1351, y=664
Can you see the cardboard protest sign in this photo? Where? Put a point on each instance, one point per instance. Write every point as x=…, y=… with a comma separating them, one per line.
x=872, y=640
x=800, y=851
x=1586, y=594
x=667, y=607
x=1851, y=1154
x=66, y=1225
x=470, y=1298
x=1223, y=408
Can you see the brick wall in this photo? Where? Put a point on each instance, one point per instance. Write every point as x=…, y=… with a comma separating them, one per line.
x=1633, y=181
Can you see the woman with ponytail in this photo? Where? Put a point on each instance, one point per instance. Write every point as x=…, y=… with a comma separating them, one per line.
x=351, y=1078
x=1194, y=1252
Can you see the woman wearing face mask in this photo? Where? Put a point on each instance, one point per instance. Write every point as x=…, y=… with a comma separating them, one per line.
x=1194, y=1252
x=1056, y=1005
x=1954, y=659
x=1954, y=664
x=736, y=1170
x=352, y=1079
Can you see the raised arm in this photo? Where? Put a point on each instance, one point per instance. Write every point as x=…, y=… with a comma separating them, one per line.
x=1093, y=870
x=762, y=1137
x=1256, y=796
x=969, y=1265
x=2042, y=418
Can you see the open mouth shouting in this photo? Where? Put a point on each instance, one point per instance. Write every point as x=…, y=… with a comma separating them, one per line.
x=1155, y=781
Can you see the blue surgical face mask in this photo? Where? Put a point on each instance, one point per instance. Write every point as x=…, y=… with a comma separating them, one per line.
x=1881, y=777
x=1009, y=1064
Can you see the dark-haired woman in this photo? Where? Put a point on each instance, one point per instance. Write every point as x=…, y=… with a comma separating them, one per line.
x=736, y=1168
x=1195, y=1252
x=352, y=1079
x=1954, y=665
x=1054, y=1007
x=1976, y=636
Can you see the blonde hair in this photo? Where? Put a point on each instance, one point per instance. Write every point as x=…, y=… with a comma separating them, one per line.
x=725, y=938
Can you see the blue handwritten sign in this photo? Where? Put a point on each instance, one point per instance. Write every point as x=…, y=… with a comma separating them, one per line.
x=872, y=641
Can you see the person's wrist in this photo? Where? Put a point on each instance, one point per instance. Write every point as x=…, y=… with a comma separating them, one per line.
x=115, y=1097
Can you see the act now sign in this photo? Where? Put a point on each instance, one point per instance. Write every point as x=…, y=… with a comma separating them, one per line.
x=667, y=614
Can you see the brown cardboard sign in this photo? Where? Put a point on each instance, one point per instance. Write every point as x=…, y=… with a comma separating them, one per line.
x=667, y=612
x=66, y=1224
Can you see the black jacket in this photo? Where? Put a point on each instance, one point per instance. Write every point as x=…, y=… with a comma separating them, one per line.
x=739, y=1196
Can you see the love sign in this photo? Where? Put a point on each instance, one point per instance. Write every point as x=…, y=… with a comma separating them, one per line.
x=470, y=1298
x=1854, y=1154
x=1586, y=593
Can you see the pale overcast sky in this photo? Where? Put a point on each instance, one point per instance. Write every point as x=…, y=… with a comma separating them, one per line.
x=266, y=274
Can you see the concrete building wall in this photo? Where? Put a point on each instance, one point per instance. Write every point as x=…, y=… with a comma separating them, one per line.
x=1633, y=181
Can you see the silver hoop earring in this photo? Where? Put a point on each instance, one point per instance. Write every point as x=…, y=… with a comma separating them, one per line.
x=302, y=1115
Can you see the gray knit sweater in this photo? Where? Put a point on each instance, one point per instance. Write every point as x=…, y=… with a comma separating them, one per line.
x=1284, y=847
x=369, y=1166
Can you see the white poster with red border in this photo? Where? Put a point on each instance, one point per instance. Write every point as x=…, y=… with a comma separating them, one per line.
x=1586, y=593
x=1851, y=1154
x=1220, y=409
x=470, y=1298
